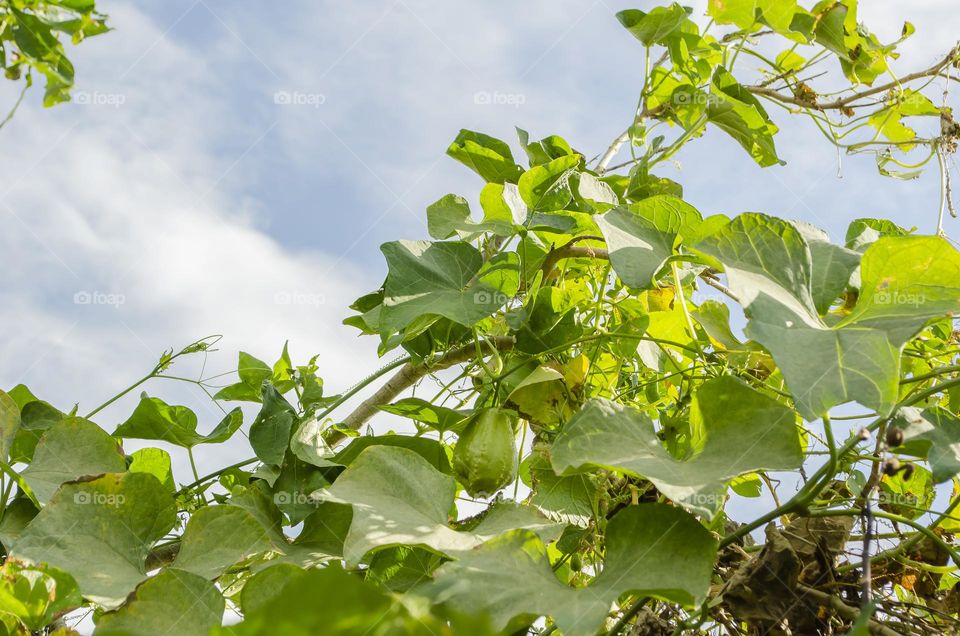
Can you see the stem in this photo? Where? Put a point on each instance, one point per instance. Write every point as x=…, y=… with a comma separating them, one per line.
x=683, y=305
x=523, y=440
x=627, y=616
x=808, y=493
x=409, y=374
x=193, y=464
x=216, y=473
x=15, y=476
x=889, y=516
x=120, y=394
x=845, y=611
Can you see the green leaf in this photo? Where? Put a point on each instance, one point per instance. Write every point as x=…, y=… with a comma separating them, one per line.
x=309, y=446
x=909, y=498
x=863, y=232
x=790, y=60
x=596, y=193
x=862, y=57
x=744, y=13
x=608, y=435
x=545, y=150
x=546, y=188
x=253, y=373
x=218, y=537
x=832, y=266
x=16, y=517
x=36, y=594
x=738, y=113
x=906, y=281
x=154, y=419
x=488, y=156
x=35, y=418
x=430, y=449
x=448, y=216
x=651, y=550
x=642, y=237
x=401, y=569
x=398, y=498
x=439, y=418
x=654, y=27
x=100, y=531
x=448, y=279
x=270, y=431
x=932, y=434
x=284, y=600
x=293, y=487
x=156, y=462
x=503, y=208
x=572, y=499
x=172, y=602
x=71, y=449
x=9, y=424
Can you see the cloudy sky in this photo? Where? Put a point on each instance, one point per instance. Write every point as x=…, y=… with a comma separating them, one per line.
x=232, y=168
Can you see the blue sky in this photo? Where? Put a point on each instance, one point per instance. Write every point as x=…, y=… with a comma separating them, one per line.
x=177, y=182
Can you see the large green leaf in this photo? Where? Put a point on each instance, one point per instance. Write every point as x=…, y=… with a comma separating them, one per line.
x=100, y=531
x=488, y=156
x=906, y=281
x=651, y=550
x=642, y=237
x=172, y=602
x=449, y=279
x=70, y=449
x=745, y=431
x=217, y=537
x=398, y=498
x=154, y=419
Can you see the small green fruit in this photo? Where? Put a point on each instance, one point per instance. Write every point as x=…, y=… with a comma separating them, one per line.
x=485, y=457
